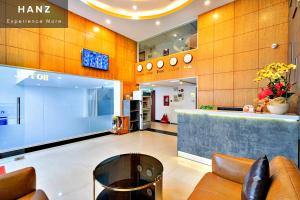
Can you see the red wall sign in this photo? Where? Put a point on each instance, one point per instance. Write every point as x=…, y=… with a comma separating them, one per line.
x=166, y=100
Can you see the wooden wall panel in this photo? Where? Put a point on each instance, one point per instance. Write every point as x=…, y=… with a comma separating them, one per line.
x=59, y=50
x=52, y=63
x=52, y=46
x=223, y=98
x=223, y=81
x=22, y=39
x=223, y=64
x=294, y=33
x=2, y=54
x=246, y=23
x=56, y=33
x=234, y=41
x=74, y=36
x=276, y=14
x=244, y=7
x=21, y=57
x=2, y=36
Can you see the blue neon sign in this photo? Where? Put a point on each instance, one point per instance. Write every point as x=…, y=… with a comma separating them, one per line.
x=95, y=60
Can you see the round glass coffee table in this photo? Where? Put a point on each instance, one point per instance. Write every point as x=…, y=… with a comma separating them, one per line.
x=129, y=177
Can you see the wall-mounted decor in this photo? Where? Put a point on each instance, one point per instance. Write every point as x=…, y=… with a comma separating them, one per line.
x=160, y=64
x=175, y=98
x=173, y=61
x=188, y=58
x=95, y=60
x=149, y=66
x=142, y=56
x=140, y=68
x=166, y=52
x=166, y=100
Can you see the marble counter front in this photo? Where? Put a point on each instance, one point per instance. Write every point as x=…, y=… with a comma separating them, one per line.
x=251, y=135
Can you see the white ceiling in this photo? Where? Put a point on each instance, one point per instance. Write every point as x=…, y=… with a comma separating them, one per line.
x=139, y=30
x=171, y=83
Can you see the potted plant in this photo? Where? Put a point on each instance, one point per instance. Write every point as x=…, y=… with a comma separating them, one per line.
x=114, y=123
x=278, y=89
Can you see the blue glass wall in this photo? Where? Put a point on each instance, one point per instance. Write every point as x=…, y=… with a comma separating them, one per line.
x=40, y=107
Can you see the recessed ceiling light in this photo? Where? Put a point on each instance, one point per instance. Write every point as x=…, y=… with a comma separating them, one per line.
x=38, y=84
x=157, y=23
x=153, y=85
x=59, y=78
x=134, y=7
x=175, y=35
x=180, y=39
x=207, y=2
x=146, y=83
x=76, y=87
x=108, y=21
x=96, y=29
x=181, y=83
x=174, y=81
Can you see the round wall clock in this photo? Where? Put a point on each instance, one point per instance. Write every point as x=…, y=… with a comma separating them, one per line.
x=139, y=68
x=149, y=66
x=188, y=58
x=160, y=64
x=173, y=61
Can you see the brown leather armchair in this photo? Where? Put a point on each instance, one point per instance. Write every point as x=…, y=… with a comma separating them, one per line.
x=227, y=176
x=20, y=185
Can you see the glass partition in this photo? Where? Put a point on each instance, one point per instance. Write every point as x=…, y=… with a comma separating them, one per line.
x=182, y=38
x=38, y=107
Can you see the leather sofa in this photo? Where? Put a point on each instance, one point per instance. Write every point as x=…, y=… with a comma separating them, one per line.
x=20, y=185
x=227, y=176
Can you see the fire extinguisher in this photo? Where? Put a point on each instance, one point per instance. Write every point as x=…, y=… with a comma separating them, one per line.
x=3, y=118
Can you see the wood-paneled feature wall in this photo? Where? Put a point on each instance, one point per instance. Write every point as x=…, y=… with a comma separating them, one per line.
x=234, y=41
x=294, y=39
x=59, y=50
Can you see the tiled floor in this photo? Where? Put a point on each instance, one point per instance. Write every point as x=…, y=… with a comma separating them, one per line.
x=164, y=127
x=65, y=172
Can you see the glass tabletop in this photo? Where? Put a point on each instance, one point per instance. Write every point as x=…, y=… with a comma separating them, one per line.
x=128, y=172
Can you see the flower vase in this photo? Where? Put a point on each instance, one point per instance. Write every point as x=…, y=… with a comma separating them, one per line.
x=278, y=109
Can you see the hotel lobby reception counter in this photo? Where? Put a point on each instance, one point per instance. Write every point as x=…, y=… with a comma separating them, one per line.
x=251, y=135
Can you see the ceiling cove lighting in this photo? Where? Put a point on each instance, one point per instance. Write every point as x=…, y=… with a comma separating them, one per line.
x=129, y=14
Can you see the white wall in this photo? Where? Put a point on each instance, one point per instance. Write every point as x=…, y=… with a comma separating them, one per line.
x=189, y=101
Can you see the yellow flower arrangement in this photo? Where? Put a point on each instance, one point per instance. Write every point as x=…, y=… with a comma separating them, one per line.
x=279, y=81
x=274, y=71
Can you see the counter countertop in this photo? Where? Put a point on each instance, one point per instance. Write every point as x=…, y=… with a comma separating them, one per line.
x=239, y=114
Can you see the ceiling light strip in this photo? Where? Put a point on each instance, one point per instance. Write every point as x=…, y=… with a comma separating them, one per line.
x=151, y=14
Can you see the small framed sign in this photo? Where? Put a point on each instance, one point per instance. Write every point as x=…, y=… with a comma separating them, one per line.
x=166, y=100
x=95, y=60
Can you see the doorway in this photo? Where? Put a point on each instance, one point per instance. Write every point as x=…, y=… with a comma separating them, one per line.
x=168, y=96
